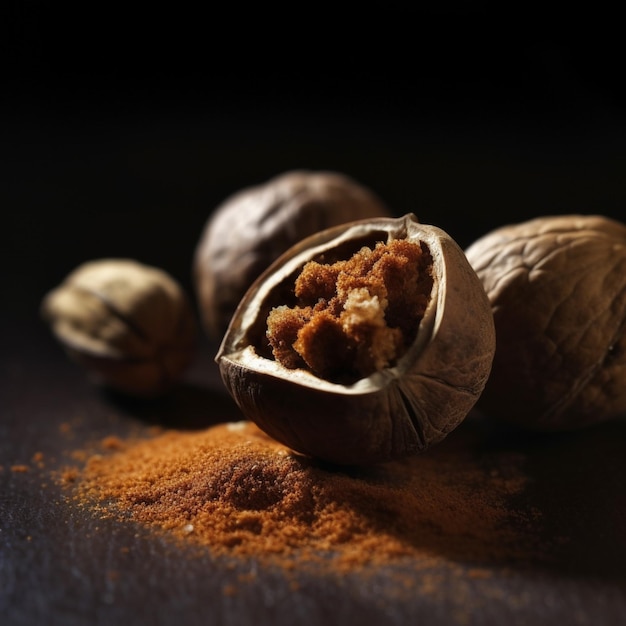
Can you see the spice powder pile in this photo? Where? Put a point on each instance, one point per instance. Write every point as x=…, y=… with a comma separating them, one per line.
x=240, y=493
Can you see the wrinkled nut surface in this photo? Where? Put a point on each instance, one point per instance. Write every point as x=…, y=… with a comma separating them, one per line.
x=252, y=228
x=424, y=391
x=557, y=286
x=130, y=325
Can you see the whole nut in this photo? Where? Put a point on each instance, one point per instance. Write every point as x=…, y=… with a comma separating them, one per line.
x=557, y=286
x=395, y=411
x=249, y=230
x=130, y=325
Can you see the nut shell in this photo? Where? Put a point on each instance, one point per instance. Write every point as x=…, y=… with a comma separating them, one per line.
x=130, y=325
x=557, y=286
x=393, y=413
x=255, y=226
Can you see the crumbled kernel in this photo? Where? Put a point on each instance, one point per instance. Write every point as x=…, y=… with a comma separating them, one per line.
x=356, y=316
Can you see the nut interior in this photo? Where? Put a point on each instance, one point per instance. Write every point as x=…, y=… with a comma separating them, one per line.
x=350, y=310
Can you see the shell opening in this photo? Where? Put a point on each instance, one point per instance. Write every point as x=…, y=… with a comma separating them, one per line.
x=350, y=318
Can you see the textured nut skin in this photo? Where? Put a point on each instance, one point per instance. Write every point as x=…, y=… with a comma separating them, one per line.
x=396, y=412
x=557, y=286
x=256, y=225
x=130, y=325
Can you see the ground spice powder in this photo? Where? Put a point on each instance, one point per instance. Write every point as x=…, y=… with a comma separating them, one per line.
x=238, y=492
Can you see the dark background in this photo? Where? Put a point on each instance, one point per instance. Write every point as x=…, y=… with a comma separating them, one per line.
x=123, y=130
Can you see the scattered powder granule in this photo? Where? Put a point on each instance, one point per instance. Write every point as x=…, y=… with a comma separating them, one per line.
x=239, y=493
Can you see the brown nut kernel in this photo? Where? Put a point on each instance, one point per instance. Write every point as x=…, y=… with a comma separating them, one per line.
x=130, y=325
x=557, y=287
x=418, y=391
x=249, y=230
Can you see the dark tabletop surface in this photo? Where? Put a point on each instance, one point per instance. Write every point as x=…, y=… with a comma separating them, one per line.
x=108, y=153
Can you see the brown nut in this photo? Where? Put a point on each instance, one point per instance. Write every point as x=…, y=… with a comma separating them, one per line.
x=256, y=225
x=130, y=325
x=557, y=286
x=416, y=398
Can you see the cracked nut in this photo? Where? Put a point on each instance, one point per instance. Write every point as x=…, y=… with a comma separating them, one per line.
x=256, y=225
x=131, y=326
x=557, y=287
x=365, y=342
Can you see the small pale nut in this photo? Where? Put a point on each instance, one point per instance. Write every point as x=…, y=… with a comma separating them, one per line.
x=130, y=325
x=363, y=343
x=249, y=230
x=557, y=287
